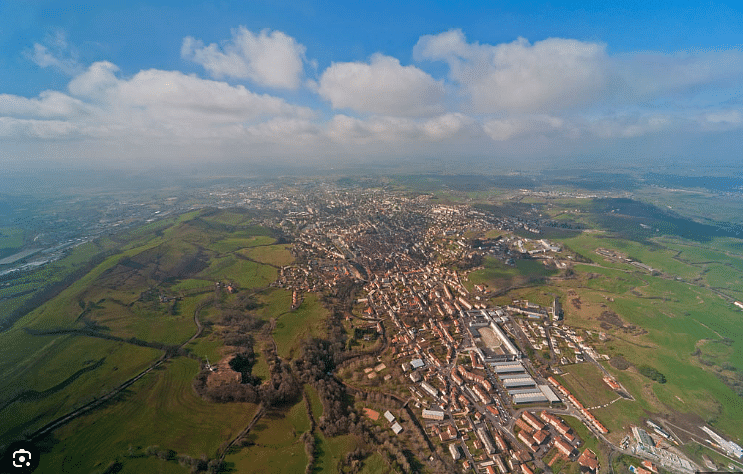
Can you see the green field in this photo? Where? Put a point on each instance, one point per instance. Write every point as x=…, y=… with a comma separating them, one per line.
x=498, y=275
x=46, y=376
x=671, y=321
x=294, y=326
x=162, y=410
x=585, y=381
x=276, y=445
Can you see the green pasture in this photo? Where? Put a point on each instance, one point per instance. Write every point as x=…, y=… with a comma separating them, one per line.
x=497, y=274
x=244, y=273
x=273, y=302
x=161, y=409
x=191, y=284
x=294, y=326
x=277, y=447
x=51, y=372
x=260, y=368
x=610, y=280
x=237, y=242
x=208, y=345
x=148, y=464
x=278, y=254
x=330, y=451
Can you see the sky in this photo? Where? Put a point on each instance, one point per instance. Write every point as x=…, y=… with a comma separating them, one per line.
x=102, y=84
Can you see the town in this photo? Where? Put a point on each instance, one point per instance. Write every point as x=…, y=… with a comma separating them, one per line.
x=459, y=361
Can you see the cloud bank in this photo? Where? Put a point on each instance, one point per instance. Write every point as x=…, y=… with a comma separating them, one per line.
x=555, y=96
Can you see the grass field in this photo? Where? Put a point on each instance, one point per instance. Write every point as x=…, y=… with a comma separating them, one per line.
x=278, y=255
x=294, y=326
x=497, y=274
x=586, y=382
x=695, y=452
x=277, y=447
x=163, y=410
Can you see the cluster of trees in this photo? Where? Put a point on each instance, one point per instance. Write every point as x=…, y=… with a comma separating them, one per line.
x=652, y=373
x=280, y=389
x=243, y=362
x=352, y=462
x=195, y=465
x=309, y=449
x=236, y=392
x=238, y=326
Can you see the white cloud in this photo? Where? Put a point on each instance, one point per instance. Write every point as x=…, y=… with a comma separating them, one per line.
x=32, y=128
x=398, y=130
x=548, y=75
x=631, y=126
x=57, y=54
x=382, y=86
x=652, y=74
x=48, y=104
x=507, y=128
x=270, y=58
x=546, y=98
x=152, y=103
x=95, y=81
x=724, y=116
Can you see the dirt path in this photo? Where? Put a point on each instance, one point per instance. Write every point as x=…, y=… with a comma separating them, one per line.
x=64, y=419
x=258, y=414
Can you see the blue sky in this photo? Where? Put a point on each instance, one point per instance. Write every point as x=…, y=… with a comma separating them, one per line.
x=168, y=82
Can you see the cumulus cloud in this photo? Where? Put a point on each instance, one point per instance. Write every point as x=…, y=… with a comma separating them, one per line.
x=548, y=75
x=382, y=86
x=520, y=98
x=558, y=73
x=48, y=104
x=151, y=103
x=269, y=58
x=33, y=128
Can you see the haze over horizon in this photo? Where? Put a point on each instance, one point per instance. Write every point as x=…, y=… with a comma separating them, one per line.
x=326, y=84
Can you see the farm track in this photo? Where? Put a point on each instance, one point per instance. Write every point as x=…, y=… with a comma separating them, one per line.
x=243, y=257
x=64, y=419
x=258, y=415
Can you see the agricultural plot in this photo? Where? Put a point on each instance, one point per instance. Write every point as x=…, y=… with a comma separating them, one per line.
x=67, y=372
x=11, y=238
x=585, y=381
